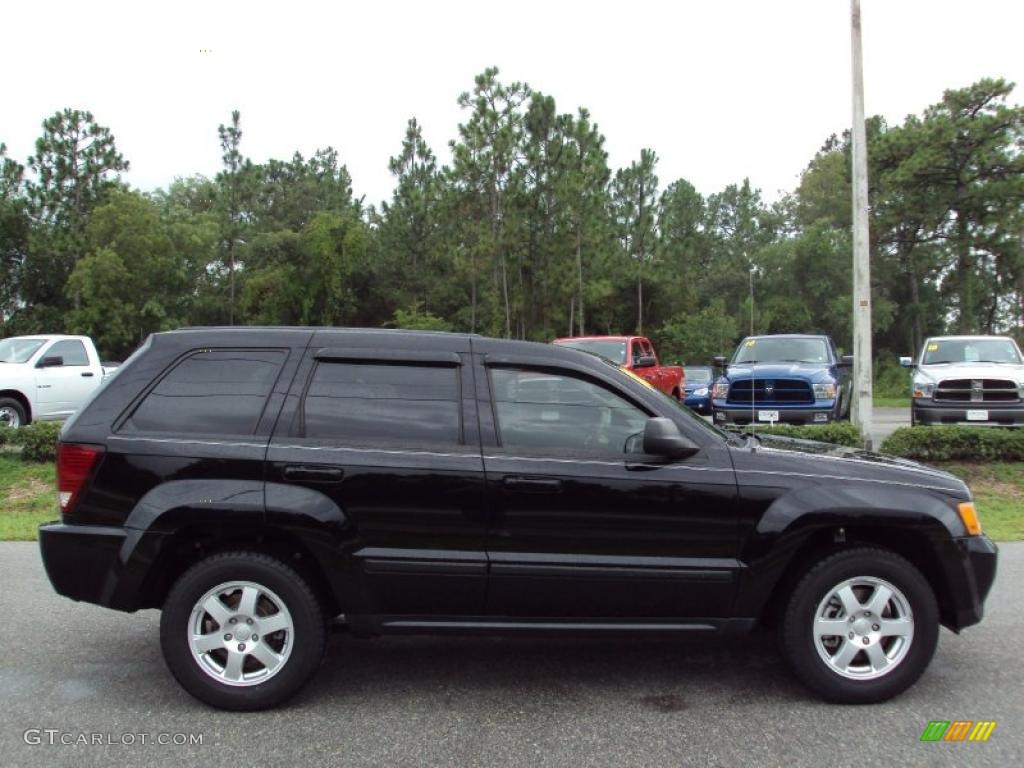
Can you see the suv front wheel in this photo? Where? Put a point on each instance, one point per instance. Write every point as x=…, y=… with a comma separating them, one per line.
x=860, y=627
x=242, y=631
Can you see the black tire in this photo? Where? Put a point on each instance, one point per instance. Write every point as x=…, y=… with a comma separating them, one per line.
x=17, y=408
x=308, y=638
x=800, y=647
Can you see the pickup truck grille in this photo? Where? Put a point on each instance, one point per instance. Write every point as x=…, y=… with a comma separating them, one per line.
x=976, y=391
x=767, y=391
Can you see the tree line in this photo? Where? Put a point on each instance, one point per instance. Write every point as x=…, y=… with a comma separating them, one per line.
x=527, y=233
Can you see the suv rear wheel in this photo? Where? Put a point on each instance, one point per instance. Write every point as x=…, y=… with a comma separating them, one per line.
x=242, y=631
x=860, y=627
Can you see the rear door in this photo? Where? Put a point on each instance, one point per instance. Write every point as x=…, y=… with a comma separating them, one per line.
x=389, y=433
x=579, y=528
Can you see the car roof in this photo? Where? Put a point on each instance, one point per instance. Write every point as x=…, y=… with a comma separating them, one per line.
x=789, y=336
x=594, y=338
x=385, y=337
x=972, y=337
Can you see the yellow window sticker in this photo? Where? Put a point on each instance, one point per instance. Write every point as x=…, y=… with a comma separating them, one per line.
x=933, y=347
x=643, y=381
x=751, y=342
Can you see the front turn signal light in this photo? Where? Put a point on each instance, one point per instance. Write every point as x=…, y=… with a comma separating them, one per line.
x=970, y=517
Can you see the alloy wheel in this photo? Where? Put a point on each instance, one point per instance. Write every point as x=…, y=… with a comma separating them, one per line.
x=863, y=628
x=241, y=633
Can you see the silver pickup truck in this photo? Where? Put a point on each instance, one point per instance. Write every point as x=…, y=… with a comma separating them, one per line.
x=967, y=380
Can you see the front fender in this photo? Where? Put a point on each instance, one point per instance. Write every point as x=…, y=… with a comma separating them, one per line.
x=794, y=518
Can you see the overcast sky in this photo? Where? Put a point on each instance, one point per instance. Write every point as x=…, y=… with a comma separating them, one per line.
x=720, y=90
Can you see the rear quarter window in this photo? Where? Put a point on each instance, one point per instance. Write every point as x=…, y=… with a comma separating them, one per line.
x=220, y=392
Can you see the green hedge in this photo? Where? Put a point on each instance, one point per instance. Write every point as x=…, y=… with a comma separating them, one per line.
x=38, y=440
x=954, y=443
x=837, y=433
x=5, y=433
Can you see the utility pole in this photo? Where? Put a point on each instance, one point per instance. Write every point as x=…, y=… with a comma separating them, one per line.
x=862, y=408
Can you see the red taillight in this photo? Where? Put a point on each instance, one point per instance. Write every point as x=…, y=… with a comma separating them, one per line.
x=74, y=464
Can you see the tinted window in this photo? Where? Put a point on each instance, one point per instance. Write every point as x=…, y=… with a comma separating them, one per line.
x=609, y=349
x=375, y=403
x=638, y=351
x=221, y=393
x=557, y=412
x=72, y=350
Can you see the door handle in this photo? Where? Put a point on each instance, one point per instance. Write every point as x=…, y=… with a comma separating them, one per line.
x=87, y=374
x=532, y=484
x=314, y=473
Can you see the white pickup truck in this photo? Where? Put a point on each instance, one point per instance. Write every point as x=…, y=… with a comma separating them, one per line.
x=47, y=377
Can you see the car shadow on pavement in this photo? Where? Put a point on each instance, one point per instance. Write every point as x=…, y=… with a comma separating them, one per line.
x=673, y=674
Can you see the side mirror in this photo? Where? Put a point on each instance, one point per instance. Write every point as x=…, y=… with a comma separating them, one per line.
x=906, y=362
x=646, y=361
x=53, y=361
x=846, y=361
x=719, y=361
x=663, y=438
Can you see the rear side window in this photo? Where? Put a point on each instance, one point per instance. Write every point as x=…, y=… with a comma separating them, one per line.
x=220, y=392
x=376, y=403
x=72, y=350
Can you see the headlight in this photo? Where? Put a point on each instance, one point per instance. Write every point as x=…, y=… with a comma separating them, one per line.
x=825, y=391
x=702, y=392
x=923, y=388
x=720, y=390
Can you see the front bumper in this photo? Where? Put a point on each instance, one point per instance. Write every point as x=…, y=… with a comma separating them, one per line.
x=819, y=412
x=98, y=564
x=698, y=403
x=970, y=570
x=956, y=413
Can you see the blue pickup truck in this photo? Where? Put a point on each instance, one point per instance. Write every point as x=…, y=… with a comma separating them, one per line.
x=791, y=378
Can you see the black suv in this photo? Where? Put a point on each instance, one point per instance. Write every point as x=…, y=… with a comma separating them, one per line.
x=257, y=483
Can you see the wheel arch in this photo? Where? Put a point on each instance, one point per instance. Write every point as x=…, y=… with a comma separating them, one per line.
x=15, y=394
x=802, y=527
x=179, y=551
x=910, y=544
x=179, y=523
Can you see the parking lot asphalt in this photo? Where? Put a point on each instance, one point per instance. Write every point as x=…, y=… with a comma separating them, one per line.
x=419, y=701
x=887, y=421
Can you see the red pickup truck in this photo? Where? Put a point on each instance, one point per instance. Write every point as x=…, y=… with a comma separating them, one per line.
x=634, y=354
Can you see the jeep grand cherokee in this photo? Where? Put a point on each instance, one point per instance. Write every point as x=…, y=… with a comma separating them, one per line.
x=256, y=483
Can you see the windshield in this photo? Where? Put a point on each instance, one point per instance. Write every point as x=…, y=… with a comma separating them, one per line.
x=613, y=350
x=697, y=375
x=781, y=350
x=940, y=351
x=19, y=350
